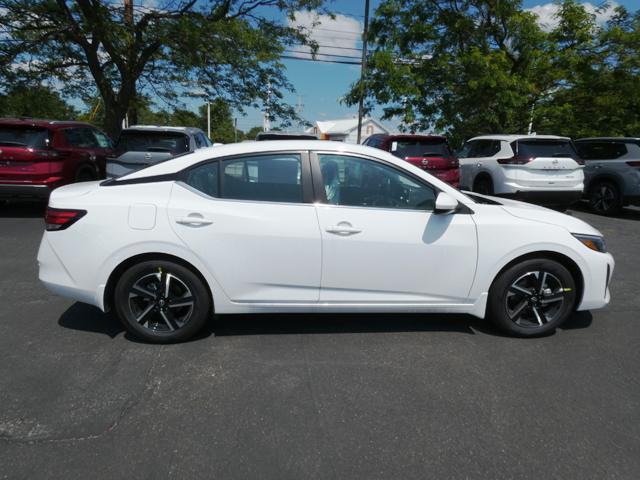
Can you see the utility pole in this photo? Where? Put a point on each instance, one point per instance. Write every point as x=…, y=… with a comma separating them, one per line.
x=363, y=68
x=235, y=128
x=209, y=119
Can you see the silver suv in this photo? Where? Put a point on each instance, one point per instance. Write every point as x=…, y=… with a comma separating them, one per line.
x=612, y=172
x=143, y=145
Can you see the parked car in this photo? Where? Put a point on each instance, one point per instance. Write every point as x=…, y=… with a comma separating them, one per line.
x=543, y=169
x=312, y=226
x=612, y=172
x=143, y=145
x=428, y=152
x=37, y=156
x=284, y=136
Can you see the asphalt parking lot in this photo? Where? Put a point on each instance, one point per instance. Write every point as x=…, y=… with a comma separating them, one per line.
x=315, y=396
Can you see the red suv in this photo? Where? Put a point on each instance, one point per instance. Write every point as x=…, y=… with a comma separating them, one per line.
x=37, y=156
x=428, y=152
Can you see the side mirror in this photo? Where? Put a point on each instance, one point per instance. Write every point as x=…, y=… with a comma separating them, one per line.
x=445, y=203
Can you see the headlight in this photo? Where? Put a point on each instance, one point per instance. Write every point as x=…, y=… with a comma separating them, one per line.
x=592, y=241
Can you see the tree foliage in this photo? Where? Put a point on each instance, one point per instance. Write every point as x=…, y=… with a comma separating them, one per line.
x=227, y=49
x=37, y=101
x=468, y=67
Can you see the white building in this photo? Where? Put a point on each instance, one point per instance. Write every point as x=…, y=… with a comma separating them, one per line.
x=346, y=129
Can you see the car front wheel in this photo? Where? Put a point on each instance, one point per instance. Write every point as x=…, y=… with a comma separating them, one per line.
x=162, y=302
x=532, y=298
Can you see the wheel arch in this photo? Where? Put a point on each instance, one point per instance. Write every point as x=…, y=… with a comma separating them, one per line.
x=561, y=258
x=605, y=177
x=483, y=174
x=135, y=259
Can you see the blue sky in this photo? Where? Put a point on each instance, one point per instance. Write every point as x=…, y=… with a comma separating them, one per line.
x=320, y=85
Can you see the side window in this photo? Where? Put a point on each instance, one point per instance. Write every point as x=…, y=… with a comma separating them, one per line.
x=359, y=182
x=81, y=138
x=601, y=150
x=102, y=140
x=486, y=148
x=271, y=178
x=201, y=141
x=467, y=150
x=204, y=178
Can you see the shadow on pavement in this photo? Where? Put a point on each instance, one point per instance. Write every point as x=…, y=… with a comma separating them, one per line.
x=22, y=209
x=86, y=318
x=627, y=213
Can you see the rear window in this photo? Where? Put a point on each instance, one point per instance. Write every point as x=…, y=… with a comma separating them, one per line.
x=420, y=148
x=544, y=148
x=17, y=136
x=170, y=142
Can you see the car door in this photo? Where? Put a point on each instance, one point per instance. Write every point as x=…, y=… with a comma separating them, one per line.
x=381, y=241
x=251, y=221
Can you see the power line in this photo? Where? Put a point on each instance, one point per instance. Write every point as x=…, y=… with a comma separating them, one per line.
x=289, y=57
x=324, y=54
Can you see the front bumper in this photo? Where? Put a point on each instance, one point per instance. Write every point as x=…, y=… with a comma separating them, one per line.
x=597, y=279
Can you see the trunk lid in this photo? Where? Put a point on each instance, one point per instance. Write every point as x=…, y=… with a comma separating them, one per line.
x=24, y=153
x=550, y=163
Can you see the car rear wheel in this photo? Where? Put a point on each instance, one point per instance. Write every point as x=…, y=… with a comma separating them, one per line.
x=532, y=298
x=162, y=302
x=605, y=198
x=483, y=186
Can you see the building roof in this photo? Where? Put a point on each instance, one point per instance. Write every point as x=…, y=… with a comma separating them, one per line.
x=345, y=125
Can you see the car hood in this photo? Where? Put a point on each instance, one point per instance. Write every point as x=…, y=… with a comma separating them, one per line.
x=536, y=213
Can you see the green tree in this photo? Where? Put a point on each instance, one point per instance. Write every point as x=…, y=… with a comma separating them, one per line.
x=218, y=48
x=598, y=69
x=37, y=101
x=458, y=66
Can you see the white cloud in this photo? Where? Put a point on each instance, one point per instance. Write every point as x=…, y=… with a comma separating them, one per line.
x=548, y=20
x=336, y=36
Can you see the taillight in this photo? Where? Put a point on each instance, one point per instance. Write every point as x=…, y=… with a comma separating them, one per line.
x=59, y=219
x=579, y=160
x=634, y=164
x=454, y=163
x=517, y=160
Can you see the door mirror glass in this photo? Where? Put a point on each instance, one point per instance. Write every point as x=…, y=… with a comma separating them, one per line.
x=445, y=203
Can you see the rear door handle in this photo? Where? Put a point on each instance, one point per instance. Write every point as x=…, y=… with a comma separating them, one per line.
x=343, y=230
x=193, y=221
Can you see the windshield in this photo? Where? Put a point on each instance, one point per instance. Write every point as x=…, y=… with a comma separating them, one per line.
x=18, y=136
x=136, y=141
x=420, y=148
x=544, y=148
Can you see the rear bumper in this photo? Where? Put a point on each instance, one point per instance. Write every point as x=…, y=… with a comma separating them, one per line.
x=25, y=190
x=549, y=198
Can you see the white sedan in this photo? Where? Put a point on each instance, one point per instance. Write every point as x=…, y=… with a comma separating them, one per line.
x=312, y=226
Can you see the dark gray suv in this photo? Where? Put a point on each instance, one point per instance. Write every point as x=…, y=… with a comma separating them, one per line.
x=143, y=145
x=612, y=172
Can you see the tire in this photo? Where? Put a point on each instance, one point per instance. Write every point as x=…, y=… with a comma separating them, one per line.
x=147, y=313
x=605, y=198
x=521, y=307
x=483, y=186
x=85, y=174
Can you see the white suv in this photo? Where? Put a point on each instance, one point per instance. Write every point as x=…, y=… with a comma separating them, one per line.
x=542, y=169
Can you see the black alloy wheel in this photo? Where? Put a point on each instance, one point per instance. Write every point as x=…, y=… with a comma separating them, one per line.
x=162, y=302
x=532, y=298
x=605, y=198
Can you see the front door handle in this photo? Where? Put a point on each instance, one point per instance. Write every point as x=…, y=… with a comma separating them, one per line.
x=343, y=228
x=193, y=221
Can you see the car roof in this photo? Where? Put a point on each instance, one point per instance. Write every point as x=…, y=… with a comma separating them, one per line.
x=609, y=139
x=161, y=128
x=511, y=138
x=210, y=153
x=39, y=122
